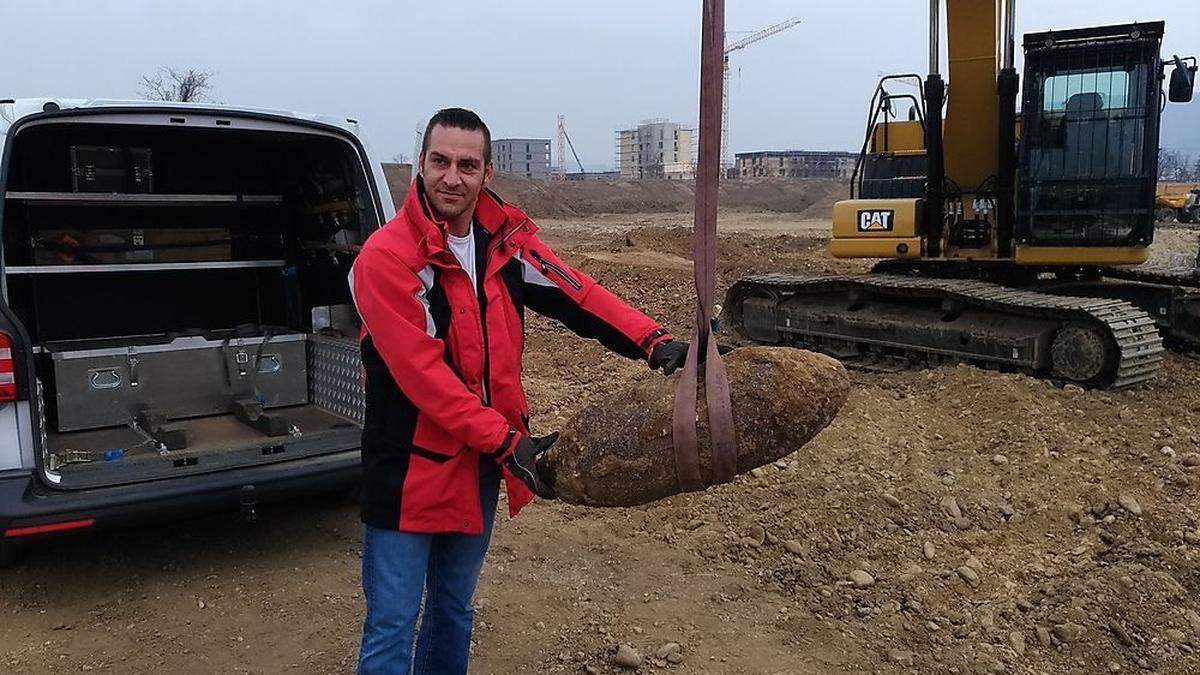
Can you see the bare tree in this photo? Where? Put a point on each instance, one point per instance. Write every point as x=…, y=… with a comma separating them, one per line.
x=400, y=158
x=1185, y=167
x=1172, y=165
x=169, y=84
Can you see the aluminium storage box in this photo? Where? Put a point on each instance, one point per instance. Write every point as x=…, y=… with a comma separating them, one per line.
x=335, y=371
x=105, y=383
x=114, y=169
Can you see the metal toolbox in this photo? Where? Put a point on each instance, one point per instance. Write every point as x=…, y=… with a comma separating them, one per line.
x=336, y=376
x=102, y=168
x=104, y=383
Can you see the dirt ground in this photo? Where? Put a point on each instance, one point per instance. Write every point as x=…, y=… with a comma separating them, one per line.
x=949, y=521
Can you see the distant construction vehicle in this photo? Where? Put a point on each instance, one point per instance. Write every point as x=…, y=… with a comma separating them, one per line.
x=1178, y=207
x=1009, y=241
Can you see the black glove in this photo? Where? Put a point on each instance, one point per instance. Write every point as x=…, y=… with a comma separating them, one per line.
x=669, y=356
x=523, y=463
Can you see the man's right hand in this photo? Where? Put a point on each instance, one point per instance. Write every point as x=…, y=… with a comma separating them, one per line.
x=668, y=356
x=523, y=463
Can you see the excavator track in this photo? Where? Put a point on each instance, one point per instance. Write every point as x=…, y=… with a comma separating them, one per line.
x=1169, y=290
x=876, y=319
x=1187, y=276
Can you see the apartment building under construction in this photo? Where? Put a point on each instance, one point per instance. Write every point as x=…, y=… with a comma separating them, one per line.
x=795, y=164
x=655, y=149
x=529, y=157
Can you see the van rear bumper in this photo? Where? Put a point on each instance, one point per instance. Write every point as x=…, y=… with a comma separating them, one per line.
x=28, y=509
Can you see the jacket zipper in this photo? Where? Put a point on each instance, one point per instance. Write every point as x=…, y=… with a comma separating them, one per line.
x=549, y=266
x=508, y=235
x=481, y=302
x=487, y=353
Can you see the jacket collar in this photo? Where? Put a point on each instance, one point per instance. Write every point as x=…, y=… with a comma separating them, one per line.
x=504, y=223
x=490, y=212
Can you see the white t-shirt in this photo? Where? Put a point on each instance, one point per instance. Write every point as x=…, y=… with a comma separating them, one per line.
x=463, y=248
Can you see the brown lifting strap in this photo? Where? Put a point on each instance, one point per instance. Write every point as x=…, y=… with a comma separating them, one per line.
x=704, y=260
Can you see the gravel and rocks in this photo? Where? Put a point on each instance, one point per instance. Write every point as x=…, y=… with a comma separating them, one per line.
x=1087, y=539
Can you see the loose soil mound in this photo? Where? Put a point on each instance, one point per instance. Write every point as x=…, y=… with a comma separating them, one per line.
x=577, y=198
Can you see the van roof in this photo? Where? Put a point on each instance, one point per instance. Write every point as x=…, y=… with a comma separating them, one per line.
x=12, y=110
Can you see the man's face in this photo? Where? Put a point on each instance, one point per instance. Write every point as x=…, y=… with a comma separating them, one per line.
x=454, y=170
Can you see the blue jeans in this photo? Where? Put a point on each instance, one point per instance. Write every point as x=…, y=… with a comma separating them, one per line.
x=397, y=567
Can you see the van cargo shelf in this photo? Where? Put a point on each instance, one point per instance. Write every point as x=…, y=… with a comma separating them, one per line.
x=134, y=199
x=142, y=267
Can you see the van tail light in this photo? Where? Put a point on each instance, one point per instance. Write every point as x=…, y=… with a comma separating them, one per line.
x=8, y=379
x=61, y=526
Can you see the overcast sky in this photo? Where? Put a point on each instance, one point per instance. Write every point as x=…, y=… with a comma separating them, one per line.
x=519, y=63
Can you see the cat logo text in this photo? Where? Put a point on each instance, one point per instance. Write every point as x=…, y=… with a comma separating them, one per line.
x=876, y=220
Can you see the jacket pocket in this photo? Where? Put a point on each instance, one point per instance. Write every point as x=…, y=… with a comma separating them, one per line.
x=428, y=436
x=549, y=267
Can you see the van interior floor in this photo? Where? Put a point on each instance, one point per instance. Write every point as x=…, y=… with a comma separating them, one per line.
x=97, y=456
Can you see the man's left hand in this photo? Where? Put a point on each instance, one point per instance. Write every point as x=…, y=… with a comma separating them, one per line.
x=668, y=356
x=523, y=463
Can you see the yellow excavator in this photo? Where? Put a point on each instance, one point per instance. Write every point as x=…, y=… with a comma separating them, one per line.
x=1012, y=240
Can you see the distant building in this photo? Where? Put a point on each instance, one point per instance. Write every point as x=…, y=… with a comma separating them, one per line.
x=655, y=149
x=795, y=164
x=528, y=157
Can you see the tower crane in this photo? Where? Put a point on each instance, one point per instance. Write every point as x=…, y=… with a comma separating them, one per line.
x=729, y=49
x=560, y=168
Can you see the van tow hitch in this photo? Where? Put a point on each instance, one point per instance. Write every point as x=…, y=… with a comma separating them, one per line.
x=249, y=502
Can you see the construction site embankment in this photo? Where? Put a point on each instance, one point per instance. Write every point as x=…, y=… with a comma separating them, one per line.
x=809, y=197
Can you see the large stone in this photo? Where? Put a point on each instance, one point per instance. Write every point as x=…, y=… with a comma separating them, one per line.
x=969, y=575
x=1017, y=640
x=1130, y=504
x=618, y=451
x=667, y=649
x=901, y=657
x=627, y=657
x=1068, y=632
x=861, y=579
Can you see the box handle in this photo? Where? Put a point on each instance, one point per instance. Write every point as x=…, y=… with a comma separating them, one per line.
x=104, y=378
x=133, y=367
x=269, y=363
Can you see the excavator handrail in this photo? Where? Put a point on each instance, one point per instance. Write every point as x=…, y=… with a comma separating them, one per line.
x=878, y=99
x=898, y=76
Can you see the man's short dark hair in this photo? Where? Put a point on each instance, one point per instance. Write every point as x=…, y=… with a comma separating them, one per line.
x=459, y=118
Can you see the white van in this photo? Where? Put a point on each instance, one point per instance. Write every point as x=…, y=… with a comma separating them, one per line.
x=176, y=332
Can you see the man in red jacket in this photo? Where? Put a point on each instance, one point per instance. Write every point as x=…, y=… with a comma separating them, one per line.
x=442, y=290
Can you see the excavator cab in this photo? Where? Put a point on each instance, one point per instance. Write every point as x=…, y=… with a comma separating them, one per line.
x=1088, y=153
x=1070, y=180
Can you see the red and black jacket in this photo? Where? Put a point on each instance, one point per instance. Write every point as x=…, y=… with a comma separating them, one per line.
x=443, y=360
